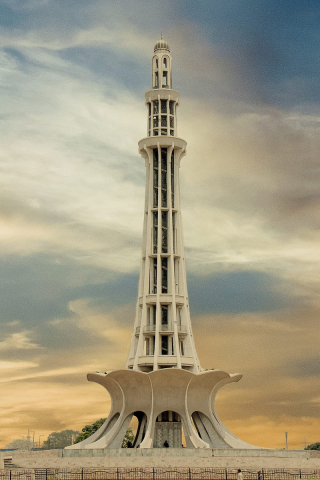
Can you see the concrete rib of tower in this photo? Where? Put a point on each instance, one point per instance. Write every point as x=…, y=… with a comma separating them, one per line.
x=163, y=385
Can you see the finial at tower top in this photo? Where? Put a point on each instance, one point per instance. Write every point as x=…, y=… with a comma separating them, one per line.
x=161, y=45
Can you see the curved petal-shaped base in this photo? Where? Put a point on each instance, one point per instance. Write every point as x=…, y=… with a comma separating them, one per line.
x=147, y=395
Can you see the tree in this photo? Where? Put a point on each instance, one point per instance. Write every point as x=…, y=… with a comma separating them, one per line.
x=128, y=439
x=20, y=444
x=59, y=439
x=88, y=430
x=313, y=446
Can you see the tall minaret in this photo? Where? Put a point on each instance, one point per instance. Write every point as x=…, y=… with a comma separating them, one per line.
x=162, y=334
x=163, y=385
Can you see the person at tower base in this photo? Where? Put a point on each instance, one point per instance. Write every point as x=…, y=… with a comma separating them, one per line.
x=239, y=475
x=166, y=444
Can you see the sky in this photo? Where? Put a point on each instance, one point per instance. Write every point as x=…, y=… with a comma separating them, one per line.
x=72, y=83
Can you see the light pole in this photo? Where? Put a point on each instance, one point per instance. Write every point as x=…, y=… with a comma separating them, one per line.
x=286, y=434
x=305, y=442
x=32, y=431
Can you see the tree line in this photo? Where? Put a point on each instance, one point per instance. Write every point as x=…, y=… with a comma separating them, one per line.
x=68, y=437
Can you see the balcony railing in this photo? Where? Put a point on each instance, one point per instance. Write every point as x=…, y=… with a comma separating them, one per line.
x=149, y=328
x=163, y=328
x=182, y=329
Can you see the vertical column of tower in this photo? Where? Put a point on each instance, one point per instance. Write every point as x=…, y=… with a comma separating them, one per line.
x=162, y=334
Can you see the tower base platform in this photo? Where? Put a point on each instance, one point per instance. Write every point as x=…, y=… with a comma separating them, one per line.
x=165, y=403
x=165, y=458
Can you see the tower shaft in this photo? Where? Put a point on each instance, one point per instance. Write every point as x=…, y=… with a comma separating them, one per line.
x=162, y=334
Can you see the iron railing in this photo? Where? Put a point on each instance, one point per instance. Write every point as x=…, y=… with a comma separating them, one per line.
x=154, y=473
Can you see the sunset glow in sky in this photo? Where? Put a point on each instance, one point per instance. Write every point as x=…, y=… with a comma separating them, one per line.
x=72, y=83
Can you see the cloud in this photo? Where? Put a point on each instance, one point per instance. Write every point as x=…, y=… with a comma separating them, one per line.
x=230, y=292
x=103, y=326
x=56, y=373
x=56, y=282
x=100, y=24
x=56, y=384
x=72, y=401
x=255, y=200
x=18, y=341
x=309, y=367
x=56, y=187
x=16, y=365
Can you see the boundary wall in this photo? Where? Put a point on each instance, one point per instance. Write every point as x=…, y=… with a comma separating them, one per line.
x=163, y=457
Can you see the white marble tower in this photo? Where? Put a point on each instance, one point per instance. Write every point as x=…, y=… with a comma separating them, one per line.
x=163, y=385
x=162, y=334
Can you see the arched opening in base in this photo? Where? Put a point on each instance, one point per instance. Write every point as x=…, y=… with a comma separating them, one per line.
x=135, y=431
x=206, y=430
x=200, y=427
x=168, y=432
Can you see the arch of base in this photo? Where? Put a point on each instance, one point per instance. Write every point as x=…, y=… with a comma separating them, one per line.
x=131, y=394
x=201, y=397
x=139, y=432
x=117, y=406
x=168, y=430
x=206, y=431
x=169, y=388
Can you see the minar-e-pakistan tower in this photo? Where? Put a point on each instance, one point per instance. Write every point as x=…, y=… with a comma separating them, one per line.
x=163, y=384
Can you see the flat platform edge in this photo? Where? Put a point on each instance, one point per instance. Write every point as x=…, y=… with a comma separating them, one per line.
x=163, y=457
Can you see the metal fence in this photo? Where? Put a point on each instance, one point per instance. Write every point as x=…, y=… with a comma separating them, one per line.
x=155, y=474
